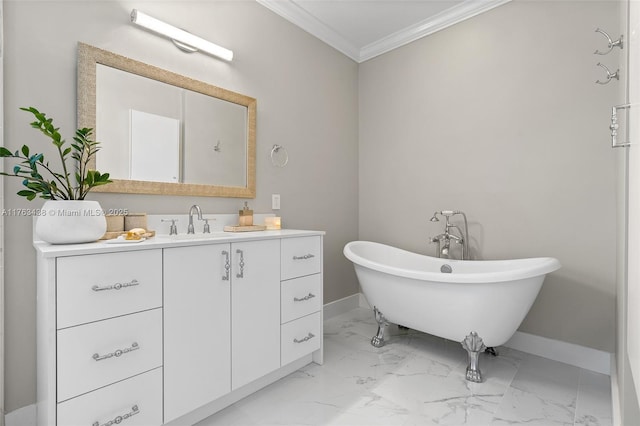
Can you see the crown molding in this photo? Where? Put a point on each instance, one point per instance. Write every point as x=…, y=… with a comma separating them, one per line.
x=449, y=17
x=290, y=11
x=303, y=19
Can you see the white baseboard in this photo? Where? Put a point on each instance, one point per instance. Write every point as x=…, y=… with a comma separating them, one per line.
x=341, y=306
x=21, y=417
x=569, y=353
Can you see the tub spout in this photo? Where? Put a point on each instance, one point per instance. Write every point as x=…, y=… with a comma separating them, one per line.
x=473, y=344
x=378, y=339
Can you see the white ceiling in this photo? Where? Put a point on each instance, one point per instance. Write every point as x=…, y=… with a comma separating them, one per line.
x=363, y=29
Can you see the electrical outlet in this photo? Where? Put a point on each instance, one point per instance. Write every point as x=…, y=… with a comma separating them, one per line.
x=275, y=201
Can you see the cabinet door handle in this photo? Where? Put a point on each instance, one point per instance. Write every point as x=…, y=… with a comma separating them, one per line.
x=241, y=264
x=305, y=339
x=227, y=265
x=116, y=286
x=119, y=419
x=307, y=297
x=117, y=353
x=305, y=257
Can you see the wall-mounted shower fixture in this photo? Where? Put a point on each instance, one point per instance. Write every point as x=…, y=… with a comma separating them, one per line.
x=610, y=43
x=610, y=75
x=444, y=240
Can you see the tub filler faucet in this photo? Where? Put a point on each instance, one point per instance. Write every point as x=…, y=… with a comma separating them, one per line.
x=444, y=240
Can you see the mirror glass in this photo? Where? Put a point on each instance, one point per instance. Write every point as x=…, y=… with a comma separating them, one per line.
x=163, y=133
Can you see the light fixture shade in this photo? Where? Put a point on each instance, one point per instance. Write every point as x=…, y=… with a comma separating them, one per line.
x=180, y=36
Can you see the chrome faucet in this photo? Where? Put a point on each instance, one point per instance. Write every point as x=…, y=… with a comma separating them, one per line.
x=197, y=209
x=444, y=240
x=173, y=229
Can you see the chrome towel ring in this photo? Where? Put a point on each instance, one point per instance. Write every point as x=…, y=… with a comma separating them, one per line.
x=279, y=156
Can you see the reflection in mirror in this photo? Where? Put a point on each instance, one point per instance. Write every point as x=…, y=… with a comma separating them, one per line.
x=163, y=133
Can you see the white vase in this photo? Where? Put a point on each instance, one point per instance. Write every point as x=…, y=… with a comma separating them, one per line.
x=70, y=222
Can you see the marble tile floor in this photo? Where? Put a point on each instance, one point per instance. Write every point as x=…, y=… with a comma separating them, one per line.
x=418, y=379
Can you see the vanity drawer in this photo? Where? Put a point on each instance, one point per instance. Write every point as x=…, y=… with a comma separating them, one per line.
x=135, y=401
x=99, y=286
x=104, y=352
x=300, y=256
x=300, y=297
x=300, y=337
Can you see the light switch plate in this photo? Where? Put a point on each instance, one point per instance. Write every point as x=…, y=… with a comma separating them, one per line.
x=275, y=201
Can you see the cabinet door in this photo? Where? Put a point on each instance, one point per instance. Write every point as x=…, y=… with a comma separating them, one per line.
x=197, y=352
x=255, y=310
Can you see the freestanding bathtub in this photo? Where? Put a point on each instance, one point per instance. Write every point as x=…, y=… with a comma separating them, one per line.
x=478, y=303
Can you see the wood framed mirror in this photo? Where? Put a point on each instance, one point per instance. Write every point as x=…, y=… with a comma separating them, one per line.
x=164, y=133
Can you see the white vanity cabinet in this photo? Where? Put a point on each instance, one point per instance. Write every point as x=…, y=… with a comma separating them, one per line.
x=197, y=327
x=101, y=328
x=171, y=331
x=255, y=310
x=213, y=292
x=301, y=298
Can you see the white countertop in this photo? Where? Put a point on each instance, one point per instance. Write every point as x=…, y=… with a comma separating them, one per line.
x=162, y=241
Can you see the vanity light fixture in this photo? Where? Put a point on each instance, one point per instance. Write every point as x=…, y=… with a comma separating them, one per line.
x=183, y=39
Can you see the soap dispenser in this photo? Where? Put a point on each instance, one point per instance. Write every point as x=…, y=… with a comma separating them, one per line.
x=245, y=215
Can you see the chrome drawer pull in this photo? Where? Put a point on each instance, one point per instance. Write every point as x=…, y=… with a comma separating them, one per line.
x=119, y=419
x=116, y=286
x=227, y=266
x=117, y=353
x=307, y=297
x=305, y=257
x=309, y=337
x=241, y=264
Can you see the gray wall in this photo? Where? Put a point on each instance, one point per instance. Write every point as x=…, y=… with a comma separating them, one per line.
x=499, y=116
x=307, y=102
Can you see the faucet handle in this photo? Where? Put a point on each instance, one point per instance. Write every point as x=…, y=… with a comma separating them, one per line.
x=207, y=229
x=173, y=229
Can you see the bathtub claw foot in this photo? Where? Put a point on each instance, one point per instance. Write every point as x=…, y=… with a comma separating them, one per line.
x=473, y=344
x=474, y=376
x=378, y=340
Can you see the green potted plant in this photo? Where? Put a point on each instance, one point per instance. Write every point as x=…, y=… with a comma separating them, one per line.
x=66, y=217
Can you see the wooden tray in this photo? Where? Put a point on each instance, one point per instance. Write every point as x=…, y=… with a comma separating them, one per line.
x=238, y=228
